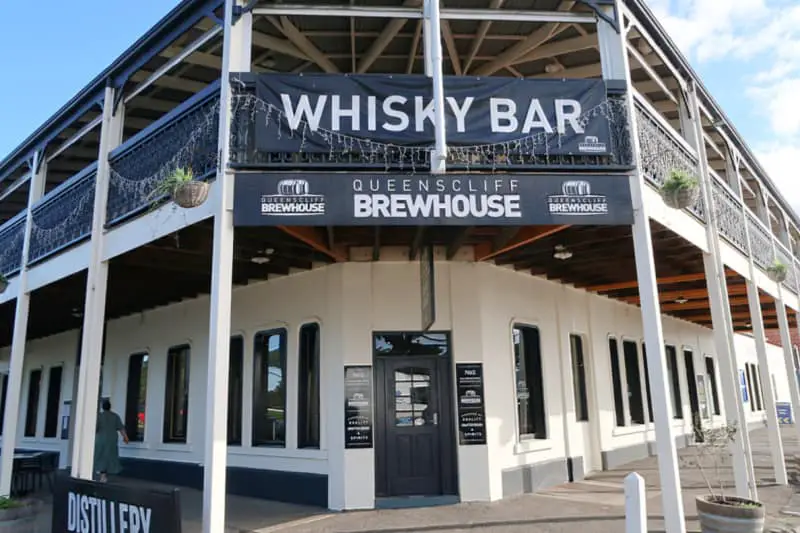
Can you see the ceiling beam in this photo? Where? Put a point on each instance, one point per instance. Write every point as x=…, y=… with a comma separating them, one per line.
x=389, y=32
x=537, y=38
x=303, y=43
x=584, y=71
x=566, y=46
x=525, y=236
x=312, y=238
x=262, y=40
x=452, y=51
x=683, y=278
x=480, y=35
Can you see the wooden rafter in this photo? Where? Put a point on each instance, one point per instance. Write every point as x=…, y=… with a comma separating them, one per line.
x=480, y=35
x=669, y=280
x=412, y=55
x=296, y=37
x=524, y=236
x=452, y=51
x=314, y=239
x=380, y=43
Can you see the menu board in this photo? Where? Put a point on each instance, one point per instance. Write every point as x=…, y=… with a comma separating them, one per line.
x=471, y=412
x=358, y=407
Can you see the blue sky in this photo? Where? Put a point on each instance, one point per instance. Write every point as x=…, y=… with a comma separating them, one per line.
x=747, y=51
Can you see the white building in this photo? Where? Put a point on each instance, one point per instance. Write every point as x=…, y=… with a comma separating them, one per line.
x=348, y=385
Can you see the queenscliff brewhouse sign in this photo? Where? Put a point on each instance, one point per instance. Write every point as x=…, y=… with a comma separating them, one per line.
x=316, y=112
x=345, y=199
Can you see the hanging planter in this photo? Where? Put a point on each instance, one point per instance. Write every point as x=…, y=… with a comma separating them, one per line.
x=184, y=190
x=680, y=190
x=3, y=283
x=777, y=271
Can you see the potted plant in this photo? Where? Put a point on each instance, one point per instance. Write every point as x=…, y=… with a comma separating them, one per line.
x=18, y=516
x=3, y=283
x=717, y=511
x=679, y=189
x=777, y=271
x=184, y=190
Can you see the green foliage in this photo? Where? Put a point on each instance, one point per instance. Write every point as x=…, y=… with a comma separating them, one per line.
x=3, y=279
x=777, y=268
x=679, y=180
x=172, y=183
x=8, y=503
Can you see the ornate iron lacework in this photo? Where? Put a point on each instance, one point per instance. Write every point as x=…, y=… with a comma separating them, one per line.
x=345, y=152
x=63, y=217
x=760, y=242
x=188, y=141
x=784, y=257
x=12, y=235
x=660, y=153
x=730, y=218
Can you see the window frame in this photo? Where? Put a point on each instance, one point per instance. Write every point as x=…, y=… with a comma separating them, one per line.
x=674, y=372
x=713, y=383
x=52, y=408
x=133, y=436
x=623, y=387
x=581, y=380
x=540, y=434
x=639, y=369
x=188, y=384
x=32, y=415
x=231, y=440
x=303, y=416
x=283, y=333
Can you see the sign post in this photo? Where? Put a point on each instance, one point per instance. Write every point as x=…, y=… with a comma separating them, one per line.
x=427, y=287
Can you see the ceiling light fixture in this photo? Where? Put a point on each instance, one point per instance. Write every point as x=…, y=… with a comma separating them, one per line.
x=260, y=259
x=748, y=325
x=77, y=312
x=681, y=300
x=561, y=252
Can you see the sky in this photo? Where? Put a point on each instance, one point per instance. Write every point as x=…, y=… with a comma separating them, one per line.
x=746, y=51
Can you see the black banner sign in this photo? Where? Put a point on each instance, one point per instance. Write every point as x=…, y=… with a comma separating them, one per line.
x=471, y=412
x=315, y=199
x=358, y=407
x=427, y=287
x=313, y=112
x=81, y=506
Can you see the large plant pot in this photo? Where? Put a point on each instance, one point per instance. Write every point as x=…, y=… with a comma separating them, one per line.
x=191, y=194
x=680, y=198
x=725, y=518
x=20, y=519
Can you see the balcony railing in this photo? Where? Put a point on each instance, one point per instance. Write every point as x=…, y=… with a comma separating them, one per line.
x=12, y=237
x=184, y=138
x=662, y=150
x=729, y=214
x=64, y=216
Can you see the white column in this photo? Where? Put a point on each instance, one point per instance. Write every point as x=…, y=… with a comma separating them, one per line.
x=235, y=58
x=722, y=324
x=773, y=429
x=788, y=358
x=439, y=154
x=85, y=409
x=15, y=368
x=615, y=66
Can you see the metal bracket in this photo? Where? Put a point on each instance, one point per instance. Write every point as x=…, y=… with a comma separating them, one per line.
x=238, y=11
x=594, y=5
x=119, y=94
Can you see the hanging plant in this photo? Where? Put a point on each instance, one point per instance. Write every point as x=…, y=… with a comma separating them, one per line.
x=777, y=271
x=3, y=283
x=183, y=189
x=679, y=190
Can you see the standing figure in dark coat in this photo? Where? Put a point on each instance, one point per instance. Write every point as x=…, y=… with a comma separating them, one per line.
x=106, y=444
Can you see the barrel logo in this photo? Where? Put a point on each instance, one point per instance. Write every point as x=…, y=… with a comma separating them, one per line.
x=592, y=145
x=576, y=198
x=293, y=198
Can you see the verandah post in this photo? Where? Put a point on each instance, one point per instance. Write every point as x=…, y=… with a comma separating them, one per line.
x=235, y=58
x=615, y=68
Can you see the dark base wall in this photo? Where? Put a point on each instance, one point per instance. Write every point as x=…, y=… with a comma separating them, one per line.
x=290, y=487
x=530, y=478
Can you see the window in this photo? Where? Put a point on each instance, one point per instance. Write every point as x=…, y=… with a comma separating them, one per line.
x=136, y=397
x=32, y=412
x=269, y=388
x=616, y=379
x=675, y=380
x=53, y=402
x=235, y=384
x=308, y=395
x=176, y=404
x=748, y=379
x=647, y=384
x=631, y=355
x=530, y=386
x=756, y=387
x=712, y=379
x=3, y=402
x=579, y=379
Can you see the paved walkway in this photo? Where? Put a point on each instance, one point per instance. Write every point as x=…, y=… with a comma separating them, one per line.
x=594, y=505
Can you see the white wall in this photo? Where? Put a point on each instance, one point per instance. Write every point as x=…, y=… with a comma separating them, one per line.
x=479, y=302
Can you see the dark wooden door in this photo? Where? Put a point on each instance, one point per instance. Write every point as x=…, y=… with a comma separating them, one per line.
x=413, y=427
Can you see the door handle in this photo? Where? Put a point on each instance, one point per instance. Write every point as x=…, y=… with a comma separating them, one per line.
x=435, y=419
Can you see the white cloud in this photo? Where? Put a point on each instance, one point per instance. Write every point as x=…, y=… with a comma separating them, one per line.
x=760, y=38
